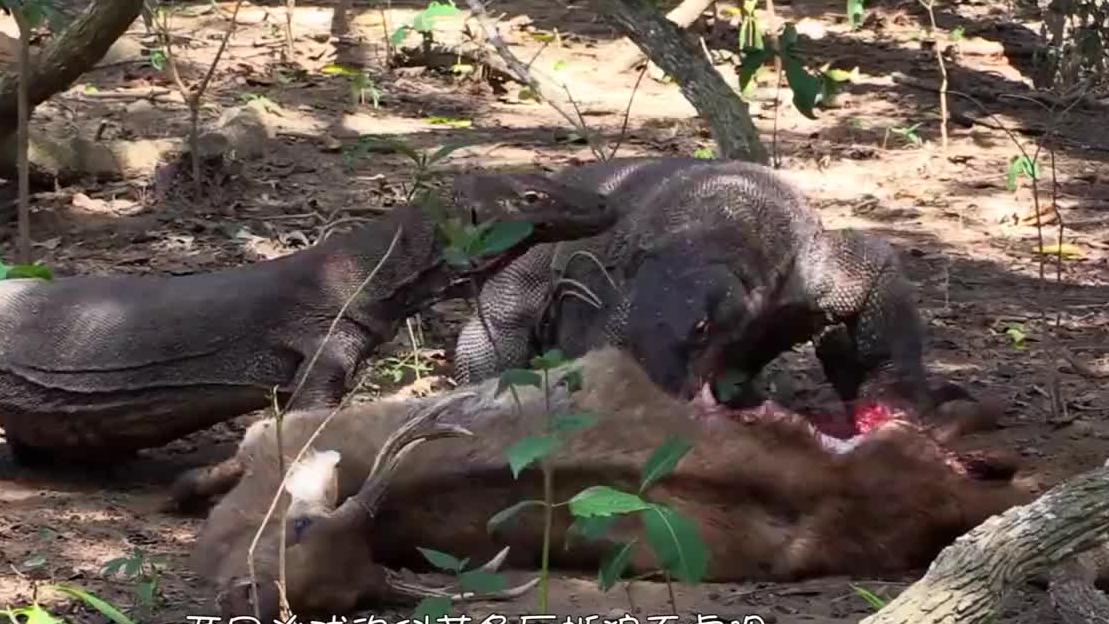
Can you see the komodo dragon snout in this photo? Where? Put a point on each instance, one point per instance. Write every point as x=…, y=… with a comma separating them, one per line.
x=554, y=210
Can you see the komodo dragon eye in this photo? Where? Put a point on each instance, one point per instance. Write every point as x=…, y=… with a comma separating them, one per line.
x=532, y=197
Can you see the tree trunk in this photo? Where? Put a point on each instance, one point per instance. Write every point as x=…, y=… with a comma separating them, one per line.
x=670, y=48
x=683, y=15
x=966, y=582
x=83, y=43
x=1073, y=593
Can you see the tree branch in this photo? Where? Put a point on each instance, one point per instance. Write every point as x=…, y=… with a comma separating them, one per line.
x=969, y=578
x=669, y=47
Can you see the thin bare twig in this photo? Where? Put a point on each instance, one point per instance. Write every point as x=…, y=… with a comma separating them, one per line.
x=523, y=73
x=930, y=6
x=627, y=113
x=194, y=95
x=23, y=135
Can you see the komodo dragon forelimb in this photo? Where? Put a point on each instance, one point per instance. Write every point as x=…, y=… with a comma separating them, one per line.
x=106, y=365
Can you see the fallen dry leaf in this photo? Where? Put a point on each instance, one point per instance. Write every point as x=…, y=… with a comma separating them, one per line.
x=1067, y=250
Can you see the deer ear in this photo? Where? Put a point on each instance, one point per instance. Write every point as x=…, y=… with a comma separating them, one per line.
x=315, y=479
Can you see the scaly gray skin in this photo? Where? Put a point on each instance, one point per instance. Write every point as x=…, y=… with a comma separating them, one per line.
x=715, y=266
x=99, y=365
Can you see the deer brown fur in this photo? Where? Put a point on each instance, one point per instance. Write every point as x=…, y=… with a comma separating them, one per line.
x=769, y=501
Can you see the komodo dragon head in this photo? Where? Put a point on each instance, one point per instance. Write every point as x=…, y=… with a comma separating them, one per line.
x=515, y=211
x=705, y=315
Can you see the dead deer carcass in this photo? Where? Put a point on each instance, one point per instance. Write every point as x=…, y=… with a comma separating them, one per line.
x=771, y=500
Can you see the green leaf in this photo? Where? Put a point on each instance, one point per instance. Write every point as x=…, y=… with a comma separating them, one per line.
x=875, y=601
x=399, y=35
x=34, y=562
x=507, y=513
x=449, y=148
x=529, y=450
x=441, y=9
x=1021, y=166
x=131, y=566
x=592, y=528
x=808, y=90
x=145, y=592
x=105, y=608
x=442, y=560
x=663, y=461
x=705, y=153
x=518, y=377
x=114, y=566
x=613, y=565
x=570, y=423
x=1017, y=335
x=25, y=271
x=753, y=59
x=432, y=608
x=551, y=359
x=677, y=543
x=158, y=59
x=958, y=33
x=573, y=380
x=855, y=12
x=601, y=500
x=482, y=582
x=425, y=20
x=456, y=257
x=35, y=614
x=503, y=235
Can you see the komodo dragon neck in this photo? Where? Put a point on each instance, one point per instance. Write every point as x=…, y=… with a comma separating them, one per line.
x=404, y=255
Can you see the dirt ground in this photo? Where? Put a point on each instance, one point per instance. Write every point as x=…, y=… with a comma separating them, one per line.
x=967, y=241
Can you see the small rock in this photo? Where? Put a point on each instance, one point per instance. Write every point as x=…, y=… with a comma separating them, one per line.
x=142, y=119
x=331, y=144
x=1081, y=429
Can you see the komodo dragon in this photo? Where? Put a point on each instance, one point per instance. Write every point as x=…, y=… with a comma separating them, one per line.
x=96, y=365
x=714, y=269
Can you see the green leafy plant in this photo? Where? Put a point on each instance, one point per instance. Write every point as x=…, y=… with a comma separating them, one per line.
x=909, y=133
x=707, y=152
x=424, y=161
x=424, y=23
x=809, y=90
x=362, y=86
x=674, y=539
x=476, y=580
x=36, y=614
x=1021, y=166
x=157, y=58
x=1017, y=335
x=394, y=368
x=143, y=570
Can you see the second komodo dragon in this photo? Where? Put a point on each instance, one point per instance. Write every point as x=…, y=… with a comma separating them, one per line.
x=102, y=364
x=715, y=268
